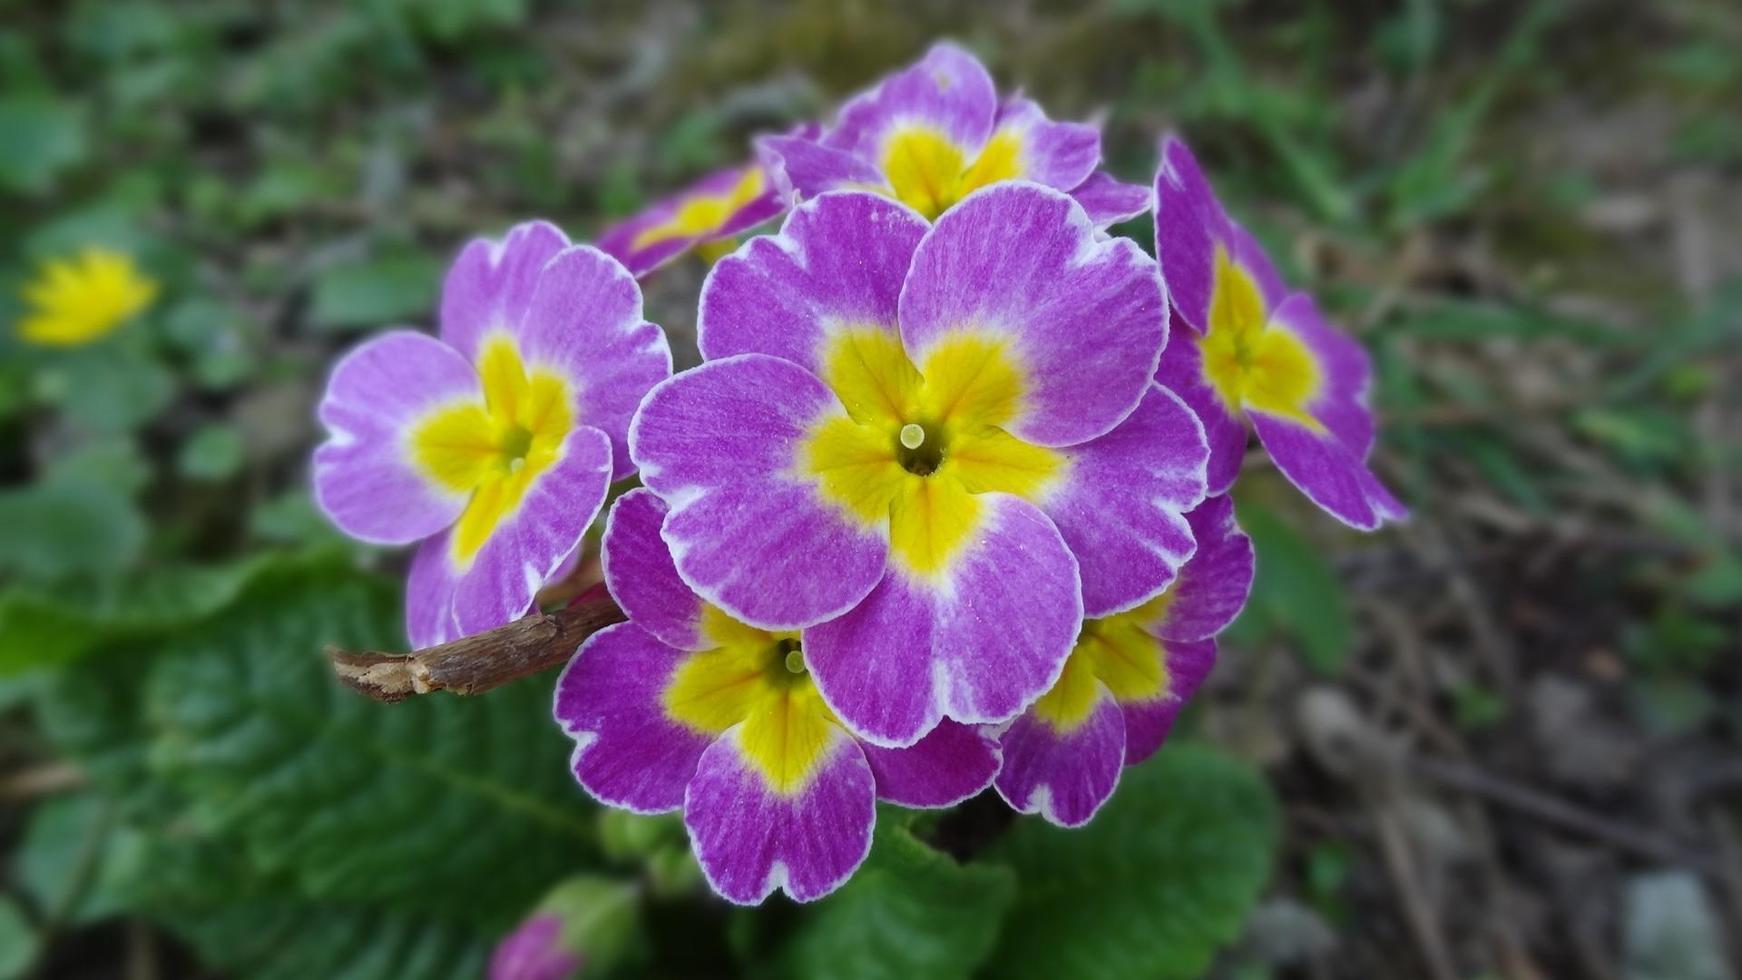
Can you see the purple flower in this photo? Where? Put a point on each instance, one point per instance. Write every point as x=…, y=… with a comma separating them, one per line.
x=1260, y=354
x=1126, y=680
x=935, y=132
x=586, y=925
x=534, y=951
x=495, y=444
x=686, y=706
x=929, y=447
x=711, y=210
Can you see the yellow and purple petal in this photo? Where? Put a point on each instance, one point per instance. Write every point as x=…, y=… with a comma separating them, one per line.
x=752, y=838
x=1064, y=768
x=837, y=264
x=490, y=284
x=366, y=477
x=1192, y=229
x=530, y=543
x=717, y=206
x=1213, y=586
x=584, y=322
x=1182, y=372
x=1121, y=507
x=628, y=751
x=1026, y=145
x=1149, y=722
x=721, y=444
x=946, y=100
x=1082, y=318
x=975, y=641
x=952, y=763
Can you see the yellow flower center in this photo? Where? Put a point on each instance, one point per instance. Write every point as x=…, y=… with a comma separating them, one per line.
x=496, y=450
x=1251, y=362
x=78, y=300
x=916, y=445
x=928, y=172
x=1118, y=652
x=757, y=679
x=703, y=214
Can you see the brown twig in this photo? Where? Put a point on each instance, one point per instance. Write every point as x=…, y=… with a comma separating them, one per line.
x=475, y=664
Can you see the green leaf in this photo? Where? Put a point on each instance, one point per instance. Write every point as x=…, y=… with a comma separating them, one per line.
x=108, y=391
x=274, y=938
x=75, y=860
x=212, y=453
x=39, y=138
x=1161, y=878
x=1297, y=591
x=51, y=530
x=375, y=294
x=18, y=942
x=353, y=800
x=42, y=628
x=911, y=911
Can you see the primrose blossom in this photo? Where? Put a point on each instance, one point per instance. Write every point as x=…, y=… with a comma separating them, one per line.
x=493, y=445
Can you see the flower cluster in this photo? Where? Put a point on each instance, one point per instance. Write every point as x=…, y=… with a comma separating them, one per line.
x=943, y=509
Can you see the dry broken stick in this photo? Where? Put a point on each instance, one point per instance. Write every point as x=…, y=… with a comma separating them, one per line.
x=475, y=664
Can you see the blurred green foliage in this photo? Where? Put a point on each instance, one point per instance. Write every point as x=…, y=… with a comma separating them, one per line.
x=296, y=174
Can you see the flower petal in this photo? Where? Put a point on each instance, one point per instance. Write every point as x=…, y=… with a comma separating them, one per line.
x=525, y=550
x=429, y=594
x=1110, y=201
x=1327, y=471
x=365, y=479
x=1058, y=154
x=1084, y=319
x=1190, y=227
x=1212, y=588
x=720, y=444
x=976, y=641
x=640, y=574
x=628, y=751
x=1122, y=506
x=750, y=839
x=950, y=764
x=948, y=90
x=584, y=321
x=1147, y=723
x=804, y=168
x=1063, y=774
x=719, y=205
x=490, y=284
x=1182, y=372
x=838, y=263
x=1348, y=373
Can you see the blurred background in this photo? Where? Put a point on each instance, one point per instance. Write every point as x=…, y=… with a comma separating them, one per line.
x=1499, y=741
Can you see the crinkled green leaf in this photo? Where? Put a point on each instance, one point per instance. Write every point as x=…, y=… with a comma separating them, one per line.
x=43, y=628
x=1161, y=878
x=463, y=806
x=911, y=911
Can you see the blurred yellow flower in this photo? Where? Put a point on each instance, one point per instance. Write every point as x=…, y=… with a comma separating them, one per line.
x=75, y=301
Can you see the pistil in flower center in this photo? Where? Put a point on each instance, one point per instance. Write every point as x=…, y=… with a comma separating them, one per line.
x=919, y=449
